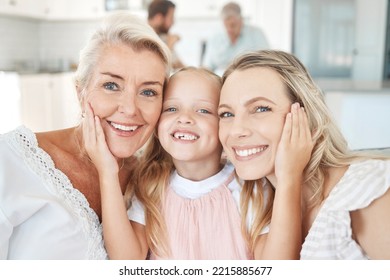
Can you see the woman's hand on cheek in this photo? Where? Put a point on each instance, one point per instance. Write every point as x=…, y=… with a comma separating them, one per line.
x=295, y=147
x=96, y=145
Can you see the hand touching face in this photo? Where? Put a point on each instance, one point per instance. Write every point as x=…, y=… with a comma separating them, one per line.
x=125, y=92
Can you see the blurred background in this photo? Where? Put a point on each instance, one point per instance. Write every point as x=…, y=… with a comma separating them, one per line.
x=345, y=44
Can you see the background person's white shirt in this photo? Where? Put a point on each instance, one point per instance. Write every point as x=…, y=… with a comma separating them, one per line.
x=220, y=52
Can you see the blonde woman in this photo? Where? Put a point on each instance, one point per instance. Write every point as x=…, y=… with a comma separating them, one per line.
x=345, y=194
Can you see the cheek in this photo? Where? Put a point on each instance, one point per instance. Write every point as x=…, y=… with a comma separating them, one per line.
x=271, y=128
x=162, y=125
x=102, y=107
x=222, y=132
x=214, y=132
x=151, y=111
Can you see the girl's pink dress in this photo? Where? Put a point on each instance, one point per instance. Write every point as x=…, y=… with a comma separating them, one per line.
x=207, y=228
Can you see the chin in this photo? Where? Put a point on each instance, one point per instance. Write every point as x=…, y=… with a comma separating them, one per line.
x=123, y=153
x=250, y=172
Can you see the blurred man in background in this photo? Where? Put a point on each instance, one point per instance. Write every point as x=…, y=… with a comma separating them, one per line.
x=236, y=39
x=161, y=18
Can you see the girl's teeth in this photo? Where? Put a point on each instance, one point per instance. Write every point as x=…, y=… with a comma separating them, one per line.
x=184, y=136
x=124, y=127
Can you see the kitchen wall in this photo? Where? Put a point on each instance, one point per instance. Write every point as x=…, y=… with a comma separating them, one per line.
x=61, y=42
x=30, y=45
x=19, y=42
x=55, y=44
x=363, y=116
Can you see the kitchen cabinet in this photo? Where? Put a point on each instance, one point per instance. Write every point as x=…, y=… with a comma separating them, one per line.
x=54, y=9
x=9, y=101
x=24, y=8
x=74, y=9
x=209, y=9
x=49, y=101
x=199, y=9
x=36, y=109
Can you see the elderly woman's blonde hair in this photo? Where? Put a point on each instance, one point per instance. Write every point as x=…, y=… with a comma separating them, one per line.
x=119, y=28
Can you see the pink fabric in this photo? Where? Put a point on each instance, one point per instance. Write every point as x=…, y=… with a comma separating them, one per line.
x=205, y=228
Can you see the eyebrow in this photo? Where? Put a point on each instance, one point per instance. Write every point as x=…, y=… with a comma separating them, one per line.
x=250, y=101
x=112, y=75
x=121, y=78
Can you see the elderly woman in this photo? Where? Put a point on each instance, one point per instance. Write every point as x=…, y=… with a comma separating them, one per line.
x=50, y=205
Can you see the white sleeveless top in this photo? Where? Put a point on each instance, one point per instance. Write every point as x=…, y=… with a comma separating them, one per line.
x=330, y=236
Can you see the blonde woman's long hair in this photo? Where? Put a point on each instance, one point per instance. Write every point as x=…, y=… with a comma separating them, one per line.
x=152, y=178
x=331, y=148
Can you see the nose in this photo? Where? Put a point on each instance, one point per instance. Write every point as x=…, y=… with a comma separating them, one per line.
x=239, y=128
x=128, y=104
x=185, y=117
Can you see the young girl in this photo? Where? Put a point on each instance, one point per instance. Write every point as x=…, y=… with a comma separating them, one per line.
x=346, y=197
x=193, y=205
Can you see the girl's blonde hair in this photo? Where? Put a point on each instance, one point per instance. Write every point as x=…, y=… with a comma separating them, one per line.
x=330, y=150
x=152, y=178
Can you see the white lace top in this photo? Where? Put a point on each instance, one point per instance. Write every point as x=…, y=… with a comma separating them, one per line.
x=41, y=215
x=330, y=236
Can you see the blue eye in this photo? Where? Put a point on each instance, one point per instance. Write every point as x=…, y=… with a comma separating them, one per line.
x=225, y=115
x=111, y=86
x=262, y=109
x=204, y=111
x=149, y=92
x=170, y=109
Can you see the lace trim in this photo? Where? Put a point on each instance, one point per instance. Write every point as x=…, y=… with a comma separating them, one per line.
x=24, y=141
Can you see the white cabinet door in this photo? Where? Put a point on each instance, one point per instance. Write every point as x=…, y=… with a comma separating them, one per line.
x=210, y=9
x=36, y=100
x=66, y=109
x=9, y=101
x=74, y=9
x=199, y=8
x=25, y=8
x=49, y=101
